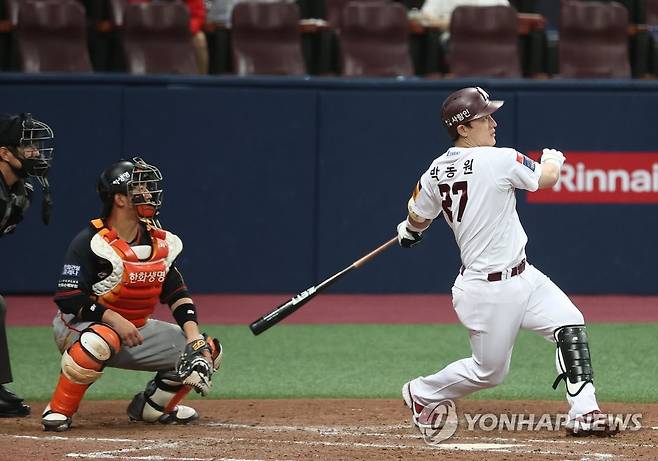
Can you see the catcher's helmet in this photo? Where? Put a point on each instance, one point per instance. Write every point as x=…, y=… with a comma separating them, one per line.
x=465, y=105
x=26, y=131
x=134, y=178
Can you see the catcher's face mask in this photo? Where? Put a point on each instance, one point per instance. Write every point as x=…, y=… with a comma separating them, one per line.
x=36, y=147
x=145, y=189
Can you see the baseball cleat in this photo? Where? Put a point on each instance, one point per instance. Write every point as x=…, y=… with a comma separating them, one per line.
x=181, y=415
x=12, y=406
x=592, y=423
x=53, y=421
x=415, y=407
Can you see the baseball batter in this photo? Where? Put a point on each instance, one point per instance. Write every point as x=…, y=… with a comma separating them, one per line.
x=497, y=291
x=115, y=272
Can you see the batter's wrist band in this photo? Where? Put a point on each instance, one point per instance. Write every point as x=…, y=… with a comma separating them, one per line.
x=413, y=228
x=185, y=313
x=92, y=313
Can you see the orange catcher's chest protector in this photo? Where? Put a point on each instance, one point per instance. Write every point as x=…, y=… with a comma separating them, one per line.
x=134, y=286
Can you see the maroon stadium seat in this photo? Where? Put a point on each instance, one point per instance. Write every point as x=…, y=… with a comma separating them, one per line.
x=157, y=39
x=652, y=12
x=266, y=39
x=374, y=40
x=11, y=11
x=593, y=40
x=52, y=37
x=334, y=11
x=484, y=42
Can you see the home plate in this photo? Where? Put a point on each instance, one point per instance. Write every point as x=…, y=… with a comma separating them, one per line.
x=476, y=446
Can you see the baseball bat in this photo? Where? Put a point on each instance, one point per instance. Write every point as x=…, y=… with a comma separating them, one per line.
x=284, y=310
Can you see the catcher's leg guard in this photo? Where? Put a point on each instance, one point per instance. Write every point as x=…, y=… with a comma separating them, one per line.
x=82, y=364
x=573, y=358
x=159, y=402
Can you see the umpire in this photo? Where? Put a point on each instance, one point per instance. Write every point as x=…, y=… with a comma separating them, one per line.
x=26, y=150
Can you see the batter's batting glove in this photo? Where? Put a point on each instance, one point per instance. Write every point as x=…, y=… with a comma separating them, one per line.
x=552, y=155
x=406, y=237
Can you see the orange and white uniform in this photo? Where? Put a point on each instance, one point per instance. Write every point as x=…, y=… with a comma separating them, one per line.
x=102, y=271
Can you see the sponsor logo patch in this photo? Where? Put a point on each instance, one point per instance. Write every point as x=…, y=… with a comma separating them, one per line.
x=71, y=269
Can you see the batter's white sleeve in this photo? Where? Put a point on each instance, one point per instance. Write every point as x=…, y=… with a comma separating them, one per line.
x=426, y=203
x=516, y=170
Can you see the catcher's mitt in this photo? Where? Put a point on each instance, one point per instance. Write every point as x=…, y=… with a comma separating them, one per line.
x=194, y=367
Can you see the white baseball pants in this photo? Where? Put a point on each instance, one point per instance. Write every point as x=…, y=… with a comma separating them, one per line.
x=494, y=312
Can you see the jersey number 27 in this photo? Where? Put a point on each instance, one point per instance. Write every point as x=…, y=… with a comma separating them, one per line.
x=446, y=199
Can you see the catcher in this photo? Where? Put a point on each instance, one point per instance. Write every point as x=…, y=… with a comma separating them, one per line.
x=114, y=273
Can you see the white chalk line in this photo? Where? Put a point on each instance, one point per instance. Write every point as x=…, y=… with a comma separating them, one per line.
x=325, y=443
x=345, y=431
x=358, y=431
x=324, y=430
x=471, y=447
x=119, y=453
x=79, y=439
x=123, y=453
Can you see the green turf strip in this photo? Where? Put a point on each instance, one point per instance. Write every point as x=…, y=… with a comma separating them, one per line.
x=361, y=361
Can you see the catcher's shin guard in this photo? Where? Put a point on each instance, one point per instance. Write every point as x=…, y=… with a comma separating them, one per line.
x=573, y=358
x=159, y=401
x=82, y=365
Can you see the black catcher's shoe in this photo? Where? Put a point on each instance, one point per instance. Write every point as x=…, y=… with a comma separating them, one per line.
x=12, y=406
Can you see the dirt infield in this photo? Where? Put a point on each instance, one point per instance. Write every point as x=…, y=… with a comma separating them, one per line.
x=317, y=429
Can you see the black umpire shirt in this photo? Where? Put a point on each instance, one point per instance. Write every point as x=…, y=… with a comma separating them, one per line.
x=13, y=203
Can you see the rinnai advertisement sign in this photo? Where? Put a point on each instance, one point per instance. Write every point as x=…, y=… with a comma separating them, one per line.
x=603, y=177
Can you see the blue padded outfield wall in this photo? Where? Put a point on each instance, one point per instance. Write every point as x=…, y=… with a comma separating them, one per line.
x=274, y=184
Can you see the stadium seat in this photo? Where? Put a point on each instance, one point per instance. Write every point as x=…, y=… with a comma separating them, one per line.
x=11, y=8
x=484, y=42
x=51, y=37
x=117, y=10
x=334, y=10
x=374, y=40
x=157, y=40
x=593, y=40
x=266, y=39
x=652, y=12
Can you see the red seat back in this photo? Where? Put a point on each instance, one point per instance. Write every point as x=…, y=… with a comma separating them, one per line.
x=484, y=42
x=52, y=37
x=593, y=40
x=266, y=39
x=334, y=11
x=374, y=40
x=157, y=39
x=652, y=12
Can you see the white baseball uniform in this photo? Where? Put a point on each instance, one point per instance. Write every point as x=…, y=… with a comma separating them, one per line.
x=475, y=189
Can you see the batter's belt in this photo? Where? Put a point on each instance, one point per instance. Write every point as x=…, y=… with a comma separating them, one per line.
x=498, y=276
